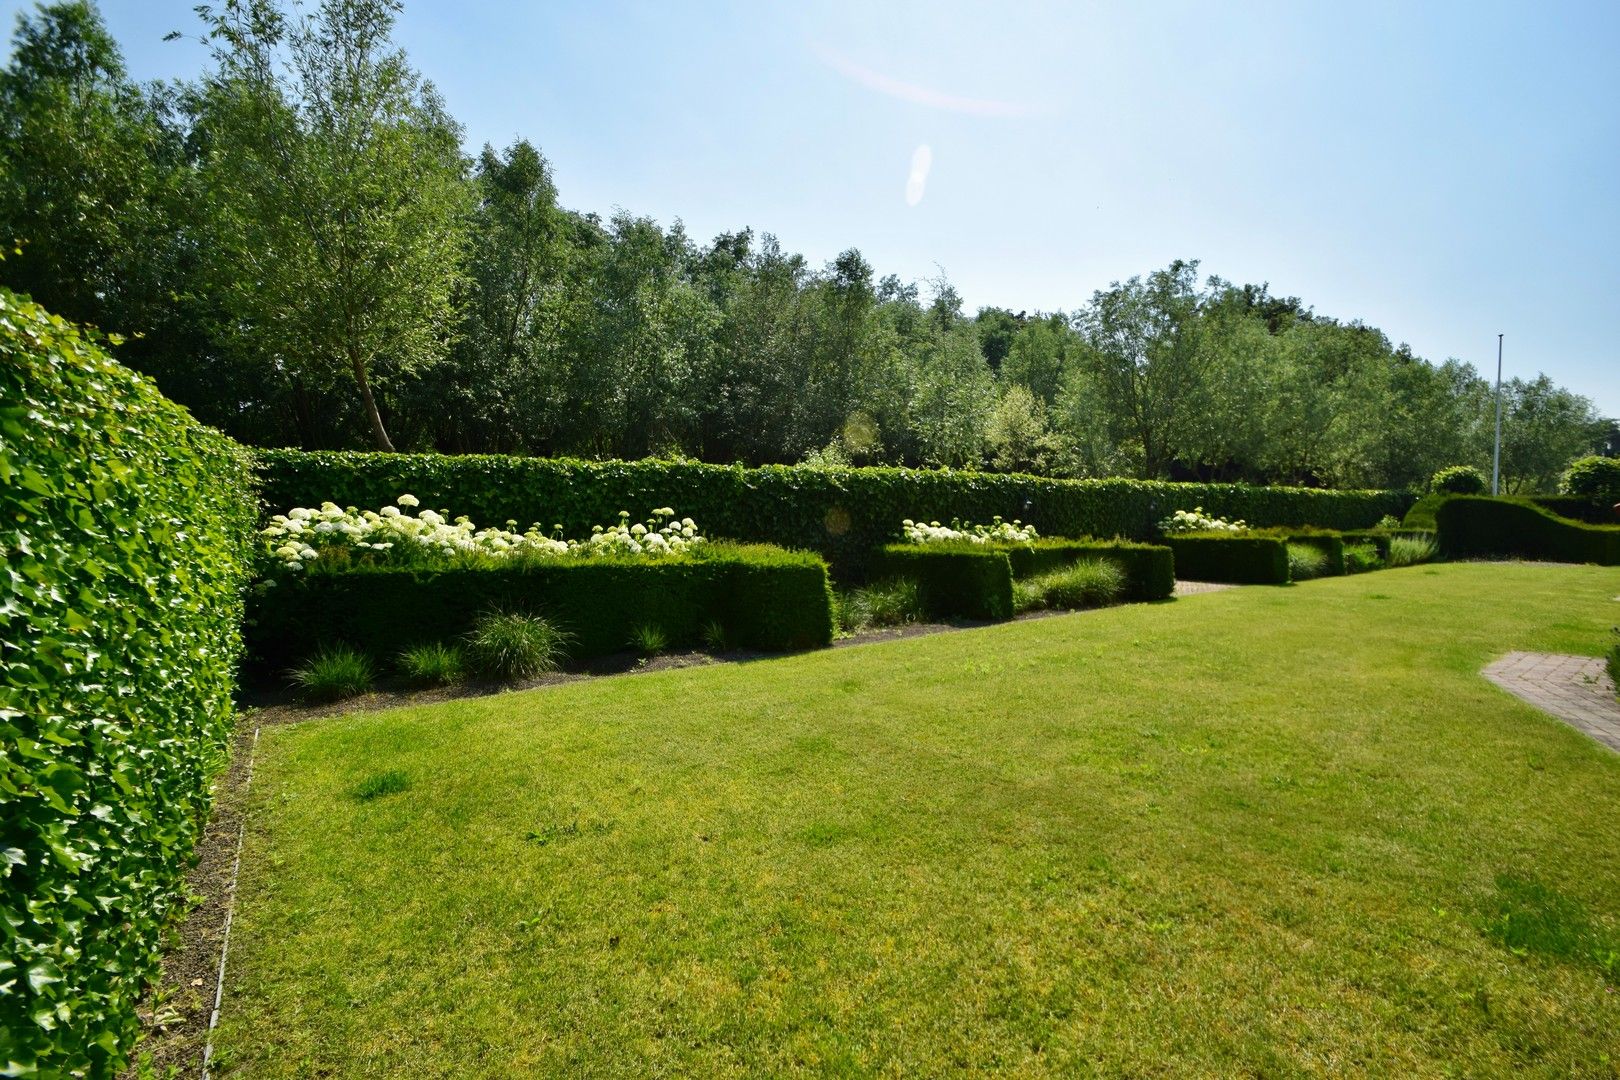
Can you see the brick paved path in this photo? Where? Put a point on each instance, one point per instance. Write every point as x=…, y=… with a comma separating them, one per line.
x=1575, y=689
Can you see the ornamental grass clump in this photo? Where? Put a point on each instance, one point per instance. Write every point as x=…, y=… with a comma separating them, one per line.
x=510, y=645
x=1195, y=520
x=1306, y=562
x=895, y=602
x=1083, y=583
x=997, y=532
x=1411, y=550
x=649, y=639
x=436, y=664
x=333, y=674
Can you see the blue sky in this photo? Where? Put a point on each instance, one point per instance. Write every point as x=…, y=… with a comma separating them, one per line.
x=1444, y=172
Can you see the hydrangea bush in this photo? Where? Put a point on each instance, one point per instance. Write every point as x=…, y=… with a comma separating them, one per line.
x=997, y=532
x=394, y=535
x=1195, y=520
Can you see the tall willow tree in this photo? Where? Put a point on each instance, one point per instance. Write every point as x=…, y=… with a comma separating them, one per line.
x=337, y=191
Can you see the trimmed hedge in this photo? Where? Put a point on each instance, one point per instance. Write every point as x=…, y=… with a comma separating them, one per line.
x=1330, y=544
x=1421, y=513
x=127, y=529
x=1578, y=508
x=970, y=581
x=764, y=598
x=846, y=514
x=1236, y=559
x=1474, y=525
x=1150, y=569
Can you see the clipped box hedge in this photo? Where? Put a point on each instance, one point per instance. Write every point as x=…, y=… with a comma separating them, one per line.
x=1150, y=569
x=846, y=514
x=1236, y=559
x=969, y=581
x=127, y=529
x=1477, y=525
x=764, y=598
x=1330, y=544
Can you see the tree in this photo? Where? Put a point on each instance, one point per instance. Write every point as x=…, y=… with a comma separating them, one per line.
x=1017, y=435
x=337, y=191
x=1544, y=427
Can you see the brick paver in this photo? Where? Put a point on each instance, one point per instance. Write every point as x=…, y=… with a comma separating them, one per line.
x=1193, y=588
x=1575, y=689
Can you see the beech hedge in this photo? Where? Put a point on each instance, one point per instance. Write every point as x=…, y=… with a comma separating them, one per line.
x=762, y=597
x=127, y=529
x=1472, y=526
x=845, y=514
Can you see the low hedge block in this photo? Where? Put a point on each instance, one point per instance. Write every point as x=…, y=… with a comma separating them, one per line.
x=1472, y=526
x=1234, y=559
x=1578, y=508
x=1150, y=569
x=764, y=598
x=971, y=582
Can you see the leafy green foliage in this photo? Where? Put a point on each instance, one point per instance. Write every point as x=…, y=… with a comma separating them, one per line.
x=1473, y=525
x=334, y=673
x=1421, y=513
x=843, y=513
x=436, y=663
x=1593, y=478
x=1458, y=480
x=127, y=529
x=1240, y=560
x=515, y=645
x=1149, y=569
x=1081, y=584
x=1362, y=556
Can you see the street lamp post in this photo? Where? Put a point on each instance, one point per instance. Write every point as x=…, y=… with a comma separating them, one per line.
x=1496, y=454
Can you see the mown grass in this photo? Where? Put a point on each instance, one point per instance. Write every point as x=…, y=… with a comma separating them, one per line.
x=1256, y=832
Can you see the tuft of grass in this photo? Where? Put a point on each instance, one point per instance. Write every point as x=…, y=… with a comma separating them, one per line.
x=1411, y=550
x=1083, y=583
x=1359, y=558
x=333, y=674
x=649, y=639
x=884, y=603
x=714, y=636
x=513, y=645
x=1306, y=562
x=375, y=786
x=437, y=664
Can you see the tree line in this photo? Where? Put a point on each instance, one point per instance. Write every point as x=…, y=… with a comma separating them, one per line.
x=296, y=247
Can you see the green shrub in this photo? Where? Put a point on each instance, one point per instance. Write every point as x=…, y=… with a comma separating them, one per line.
x=892, y=602
x=1329, y=544
x=1411, y=550
x=1578, y=508
x=334, y=673
x=515, y=645
x=436, y=663
x=845, y=514
x=127, y=529
x=1458, y=480
x=1472, y=526
x=1306, y=562
x=1361, y=556
x=648, y=639
x=1150, y=569
x=1421, y=513
x=763, y=598
x=970, y=581
x=1596, y=479
x=1081, y=584
x=1238, y=560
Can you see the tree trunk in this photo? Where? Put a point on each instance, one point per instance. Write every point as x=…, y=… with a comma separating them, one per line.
x=378, y=432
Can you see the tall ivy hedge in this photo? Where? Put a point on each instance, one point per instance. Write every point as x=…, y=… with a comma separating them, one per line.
x=126, y=528
x=845, y=514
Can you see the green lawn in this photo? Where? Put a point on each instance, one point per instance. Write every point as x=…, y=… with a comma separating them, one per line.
x=1266, y=832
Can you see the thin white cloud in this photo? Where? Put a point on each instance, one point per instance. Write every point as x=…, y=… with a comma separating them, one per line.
x=922, y=159
x=919, y=95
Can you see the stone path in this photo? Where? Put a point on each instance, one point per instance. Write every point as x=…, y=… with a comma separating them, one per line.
x=1575, y=689
x=1193, y=588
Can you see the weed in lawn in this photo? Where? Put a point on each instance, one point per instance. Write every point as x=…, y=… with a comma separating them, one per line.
x=377, y=785
x=333, y=674
x=437, y=664
x=551, y=834
x=512, y=645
